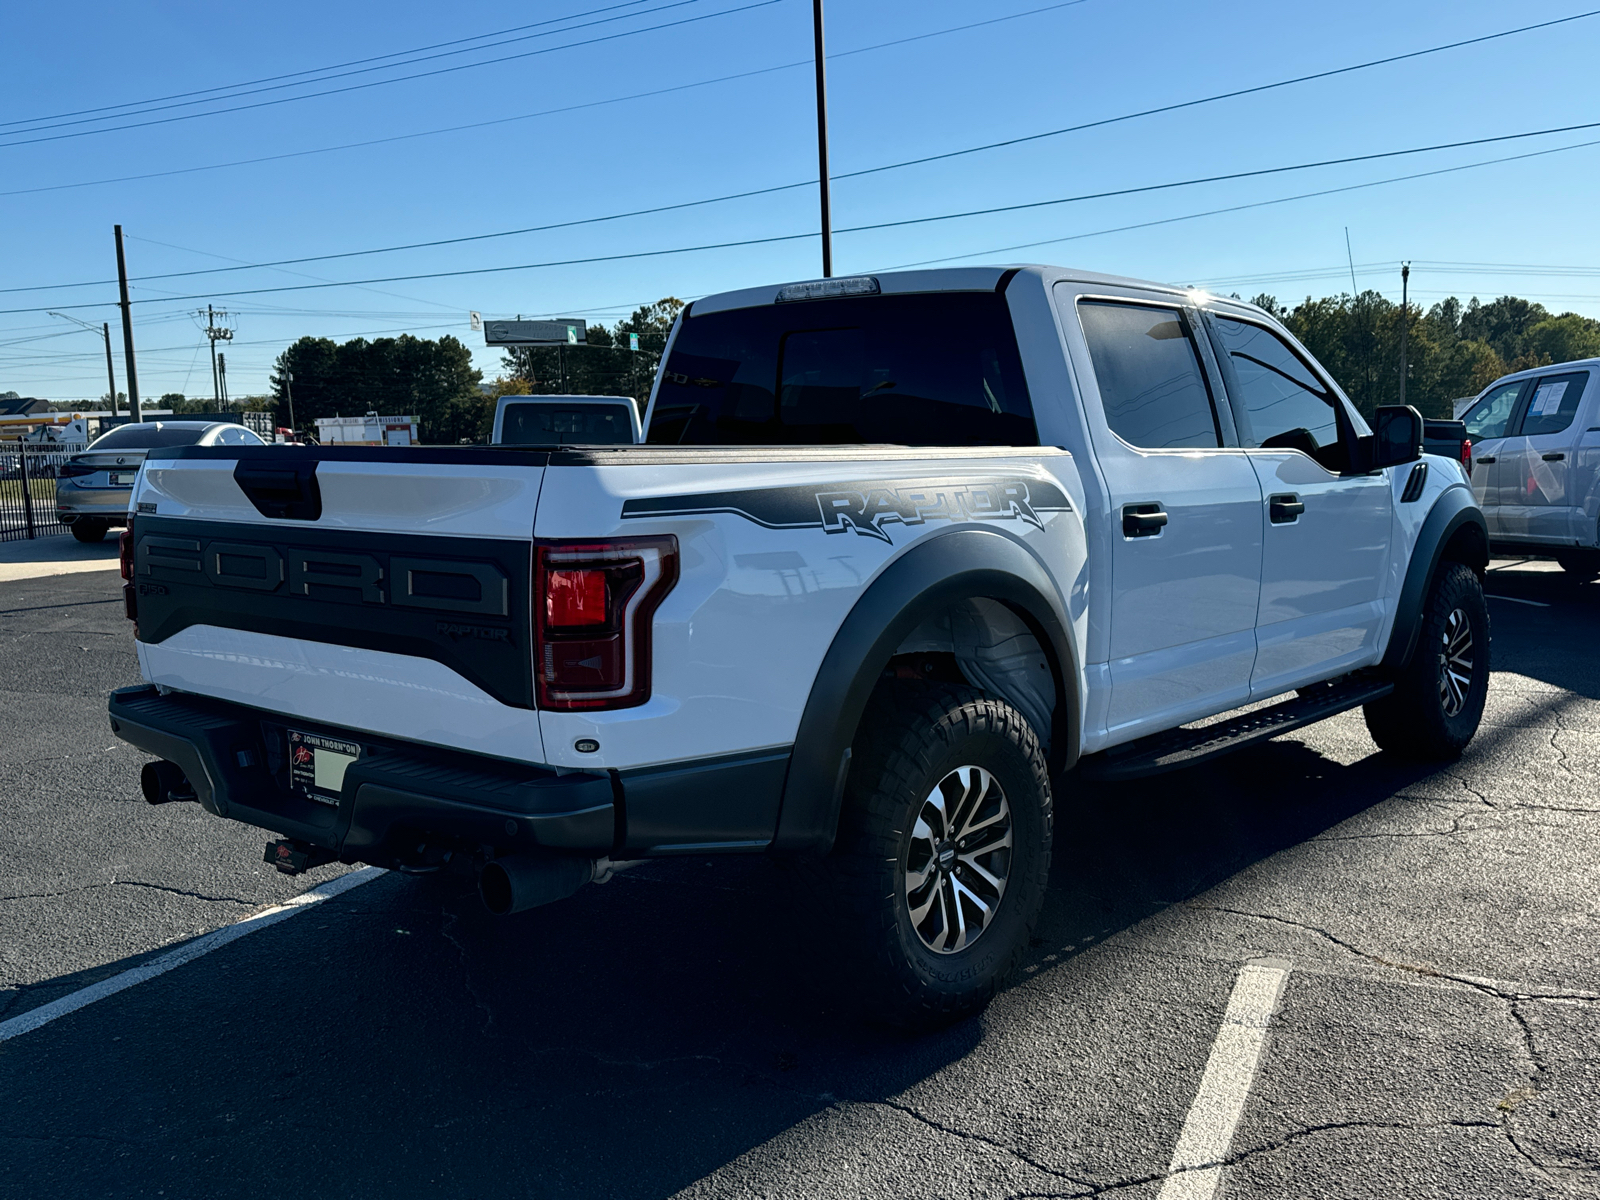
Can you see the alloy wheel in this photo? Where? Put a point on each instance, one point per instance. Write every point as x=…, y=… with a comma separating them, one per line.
x=1455, y=662
x=958, y=859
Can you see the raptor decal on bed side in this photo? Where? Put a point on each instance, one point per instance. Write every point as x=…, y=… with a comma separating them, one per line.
x=865, y=507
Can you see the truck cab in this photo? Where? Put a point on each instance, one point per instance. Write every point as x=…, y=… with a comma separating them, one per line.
x=566, y=421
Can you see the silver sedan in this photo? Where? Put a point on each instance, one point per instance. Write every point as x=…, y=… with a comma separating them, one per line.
x=93, y=488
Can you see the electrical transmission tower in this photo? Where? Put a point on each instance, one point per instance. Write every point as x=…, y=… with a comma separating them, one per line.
x=216, y=333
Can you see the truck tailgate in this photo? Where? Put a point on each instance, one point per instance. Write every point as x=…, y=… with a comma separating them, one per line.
x=373, y=590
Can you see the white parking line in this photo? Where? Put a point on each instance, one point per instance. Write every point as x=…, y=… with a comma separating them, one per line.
x=45, y=1013
x=1196, y=1168
x=1517, y=600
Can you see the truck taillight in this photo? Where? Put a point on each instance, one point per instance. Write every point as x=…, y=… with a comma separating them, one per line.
x=592, y=612
x=130, y=605
x=1466, y=455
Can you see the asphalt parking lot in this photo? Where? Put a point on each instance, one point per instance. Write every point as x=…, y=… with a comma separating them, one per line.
x=1435, y=933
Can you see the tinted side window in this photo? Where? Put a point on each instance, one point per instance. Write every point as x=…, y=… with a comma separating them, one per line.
x=1487, y=418
x=1152, y=386
x=1281, y=404
x=565, y=425
x=939, y=369
x=1553, y=404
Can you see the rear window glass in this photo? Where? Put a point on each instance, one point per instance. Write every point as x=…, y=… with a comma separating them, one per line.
x=148, y=436
x=565, y=425
x=937, y=369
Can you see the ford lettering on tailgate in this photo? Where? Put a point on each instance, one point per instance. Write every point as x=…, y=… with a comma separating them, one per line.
x=451, y=599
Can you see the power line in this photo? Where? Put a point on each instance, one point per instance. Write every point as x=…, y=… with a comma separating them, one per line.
x=356, y=87
x=874, y=226
x=806, y=63
x=658, y=209
x=1232, y=208
x=319, y=70
x=278, y=87
x=798, y=236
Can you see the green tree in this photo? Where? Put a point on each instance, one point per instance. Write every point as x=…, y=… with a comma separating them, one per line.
x=605, y=366
x=1566, y=338
x=433, y=380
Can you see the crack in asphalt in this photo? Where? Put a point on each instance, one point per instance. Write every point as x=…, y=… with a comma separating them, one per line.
x=1540, y=1071
x=966, y=1135
x=1242, y=1156
x=447, y=925
x=1455, y=828
x=136, y=883
x=1487, y=986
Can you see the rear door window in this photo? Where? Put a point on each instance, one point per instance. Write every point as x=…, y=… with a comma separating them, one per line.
x=935, y=369
x=1553, y=403
x=1488, y=417
x=1152, y=386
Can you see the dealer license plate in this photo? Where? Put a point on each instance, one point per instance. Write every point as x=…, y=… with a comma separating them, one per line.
x=123, y=478
x=317, y=765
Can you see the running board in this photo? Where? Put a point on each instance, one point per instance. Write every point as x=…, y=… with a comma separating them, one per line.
x=1186, y=746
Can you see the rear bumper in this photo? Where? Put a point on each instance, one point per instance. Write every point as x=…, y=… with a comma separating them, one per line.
x=396, y=798
x=99, y=503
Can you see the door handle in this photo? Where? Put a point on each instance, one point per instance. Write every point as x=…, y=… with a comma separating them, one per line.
x=1142, y=520
x=1285, y=509
x=1485, y=461
x=1556, y=457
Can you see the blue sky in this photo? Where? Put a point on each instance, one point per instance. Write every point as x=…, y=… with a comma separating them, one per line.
x=1524, y=227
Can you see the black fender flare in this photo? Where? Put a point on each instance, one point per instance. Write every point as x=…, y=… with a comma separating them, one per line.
x=1454, y=510
x=933, y=574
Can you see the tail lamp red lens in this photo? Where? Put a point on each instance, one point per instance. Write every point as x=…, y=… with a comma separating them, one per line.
x=1466, y=454
x=593, y=607
x=130, y=605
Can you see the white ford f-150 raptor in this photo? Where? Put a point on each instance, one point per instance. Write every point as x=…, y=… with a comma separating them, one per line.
x=902, y=560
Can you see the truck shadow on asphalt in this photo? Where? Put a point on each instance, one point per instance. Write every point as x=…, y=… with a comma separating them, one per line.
x=626, y=1042
x=623, y=1043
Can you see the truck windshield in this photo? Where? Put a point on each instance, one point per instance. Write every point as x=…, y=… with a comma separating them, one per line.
x=934, y=369
x=565, y=425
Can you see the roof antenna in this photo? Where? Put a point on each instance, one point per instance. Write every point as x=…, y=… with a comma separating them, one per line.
x=1351, y=259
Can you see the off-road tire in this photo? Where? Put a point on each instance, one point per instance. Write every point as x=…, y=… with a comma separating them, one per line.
x=1580, y=565
x=88, y=531
x=1416, y=719
x=915, y=736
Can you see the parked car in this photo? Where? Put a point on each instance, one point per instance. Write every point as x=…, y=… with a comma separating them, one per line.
x=565, y=421
x=905, y=558
x=1536, y=463
x=94, y=486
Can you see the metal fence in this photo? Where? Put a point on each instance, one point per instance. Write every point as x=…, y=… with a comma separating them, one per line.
x=28, y=490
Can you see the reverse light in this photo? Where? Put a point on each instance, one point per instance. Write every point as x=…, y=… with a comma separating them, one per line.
x=592, y=612
x=827, y=289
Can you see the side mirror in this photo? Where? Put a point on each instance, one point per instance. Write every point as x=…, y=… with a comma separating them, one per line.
x=1396, y=436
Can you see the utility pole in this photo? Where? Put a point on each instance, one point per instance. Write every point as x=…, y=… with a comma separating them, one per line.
x=822, y=142
x=127, y=334
x=111, y=376
x=105, y=332
x=288, y=390
x=217, y=333
x=222, y=367
x=1405, y=326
